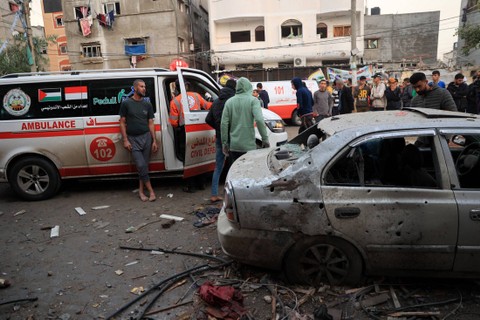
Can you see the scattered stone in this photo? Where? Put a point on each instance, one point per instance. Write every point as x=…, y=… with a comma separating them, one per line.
x=19, y=213
x=267, y=299
x=119, y=272
x=55, y=232
x=50, y=273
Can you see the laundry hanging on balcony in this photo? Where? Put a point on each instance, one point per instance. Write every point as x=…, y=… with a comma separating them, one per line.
x=106, y=20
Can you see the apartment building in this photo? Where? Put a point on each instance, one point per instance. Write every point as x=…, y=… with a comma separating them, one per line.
x=399, y=41
x=142, y=33
x=57, y=51
x=272, y=34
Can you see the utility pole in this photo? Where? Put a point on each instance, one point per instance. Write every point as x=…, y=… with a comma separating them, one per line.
x=353, y=37
x=26, y=12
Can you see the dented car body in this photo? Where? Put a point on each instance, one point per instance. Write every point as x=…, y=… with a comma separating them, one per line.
x=395, y=192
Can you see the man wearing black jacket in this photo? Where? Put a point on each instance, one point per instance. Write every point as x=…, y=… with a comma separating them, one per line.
x=214, y=119
x=345, y=97
x=459, y=90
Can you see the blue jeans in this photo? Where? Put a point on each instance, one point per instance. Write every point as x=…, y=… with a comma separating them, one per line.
x=219, y=161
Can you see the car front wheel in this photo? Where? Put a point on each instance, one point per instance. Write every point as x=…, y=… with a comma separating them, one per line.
x=34, y=178
x=317, y=260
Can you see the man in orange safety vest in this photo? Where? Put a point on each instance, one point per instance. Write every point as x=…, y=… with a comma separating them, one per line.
x=195, y=102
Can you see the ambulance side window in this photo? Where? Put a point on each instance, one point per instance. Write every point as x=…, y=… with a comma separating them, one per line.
x=105, y=96
x=206, y=92
x=42, y=100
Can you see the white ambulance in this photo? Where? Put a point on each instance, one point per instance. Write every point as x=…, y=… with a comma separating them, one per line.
x=55, y=126
x=283, y=99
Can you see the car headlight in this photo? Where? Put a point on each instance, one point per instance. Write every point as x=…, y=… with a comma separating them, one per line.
x=275, y=125
x=229, y=203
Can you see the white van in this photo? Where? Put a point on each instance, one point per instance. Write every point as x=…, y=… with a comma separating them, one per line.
x=56, y=126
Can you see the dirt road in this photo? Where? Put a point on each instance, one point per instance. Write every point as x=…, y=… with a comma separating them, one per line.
x=85, y=274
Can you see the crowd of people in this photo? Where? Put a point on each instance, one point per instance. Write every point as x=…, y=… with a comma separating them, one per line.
x=383, y=93
x=237, y=110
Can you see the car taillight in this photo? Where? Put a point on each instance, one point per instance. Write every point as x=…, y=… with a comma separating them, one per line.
x=229, y=203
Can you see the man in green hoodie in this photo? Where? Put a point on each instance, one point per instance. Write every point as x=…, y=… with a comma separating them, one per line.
x=237, y=127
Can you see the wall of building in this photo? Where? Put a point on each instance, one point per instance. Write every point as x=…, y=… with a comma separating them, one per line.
x=6, y=20
x=160, y=23
x=402, y=38
x=469, y=16
x=227, y=16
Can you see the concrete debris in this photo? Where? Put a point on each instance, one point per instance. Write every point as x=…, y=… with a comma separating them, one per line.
x=119, y=272
x=55, y=232
x=80, y=211
x=131, y=263
x=100, y=207
x=4, y=283
x=167, y=216
x=19, y=213
x=137, y=290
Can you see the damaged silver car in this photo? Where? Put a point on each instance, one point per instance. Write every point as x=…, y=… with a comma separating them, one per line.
x=390, y=193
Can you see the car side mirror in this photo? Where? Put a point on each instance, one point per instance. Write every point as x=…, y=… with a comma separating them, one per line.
x=459, y=140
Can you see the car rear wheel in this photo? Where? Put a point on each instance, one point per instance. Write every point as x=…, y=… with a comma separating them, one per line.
x=296, y=121
x=34, y=178
x=317, y=260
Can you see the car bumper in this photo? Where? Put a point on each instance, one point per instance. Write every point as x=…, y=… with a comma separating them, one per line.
x=260, y=248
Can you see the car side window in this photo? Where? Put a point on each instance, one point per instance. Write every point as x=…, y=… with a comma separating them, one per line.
x=465, y=150
x=397, y=162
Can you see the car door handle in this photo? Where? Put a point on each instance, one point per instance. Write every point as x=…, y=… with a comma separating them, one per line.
x=347, y=212
x=475, y=214
x=194, y=119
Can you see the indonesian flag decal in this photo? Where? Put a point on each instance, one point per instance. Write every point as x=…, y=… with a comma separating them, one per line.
x=76, y=93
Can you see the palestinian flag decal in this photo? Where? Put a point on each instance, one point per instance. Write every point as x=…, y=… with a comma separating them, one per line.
x=76, y=93
x=49, y=95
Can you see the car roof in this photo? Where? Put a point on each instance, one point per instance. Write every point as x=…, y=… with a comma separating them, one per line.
x=407, y=118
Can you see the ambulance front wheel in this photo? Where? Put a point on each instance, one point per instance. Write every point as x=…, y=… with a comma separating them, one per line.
x=296, y=121
x=34, y=178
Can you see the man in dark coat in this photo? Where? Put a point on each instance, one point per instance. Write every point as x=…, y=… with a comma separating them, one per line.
x=304, y=104
x=345, y=97
x=459, y=90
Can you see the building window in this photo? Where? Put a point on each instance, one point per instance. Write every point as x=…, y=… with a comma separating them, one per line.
x=135, y=46
x=291, y=29
x=181, y=5
x=91, y=50
x=111, y=6
x=371, y=44
x=82, y=12
x=239, y=36
x=62, y=48
x=260, y=33
x=181, y=45
x=58, y=21
x=342, y=31
x=322, y=30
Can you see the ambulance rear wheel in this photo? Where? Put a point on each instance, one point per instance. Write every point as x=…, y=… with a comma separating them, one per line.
x=34, y=178
x=296, y=121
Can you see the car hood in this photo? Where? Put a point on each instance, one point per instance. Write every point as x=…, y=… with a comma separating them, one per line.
x=252, y=165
